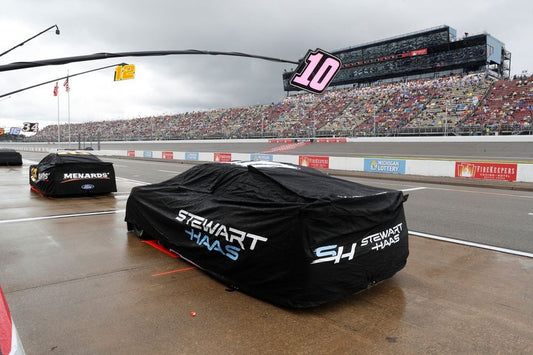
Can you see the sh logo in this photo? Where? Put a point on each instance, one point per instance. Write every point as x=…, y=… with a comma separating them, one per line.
x=333, y=253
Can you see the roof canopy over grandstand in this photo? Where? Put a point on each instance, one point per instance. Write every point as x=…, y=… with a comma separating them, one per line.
x=428, y=53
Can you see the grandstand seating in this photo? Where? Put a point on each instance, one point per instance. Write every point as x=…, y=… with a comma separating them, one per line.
x=461, y=104
x=509, y=104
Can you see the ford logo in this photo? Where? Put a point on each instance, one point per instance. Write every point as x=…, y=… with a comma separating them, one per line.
x=87, y=187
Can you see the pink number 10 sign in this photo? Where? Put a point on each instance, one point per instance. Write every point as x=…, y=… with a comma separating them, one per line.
x=316, y=71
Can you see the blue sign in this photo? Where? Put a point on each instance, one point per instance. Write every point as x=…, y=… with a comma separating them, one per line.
x=386, y=166
x=261, y=157
x=15, y=131
x=191, y=156
x=148, y=154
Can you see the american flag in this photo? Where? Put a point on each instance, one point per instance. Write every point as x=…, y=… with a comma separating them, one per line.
x=56, y=88
x=65, y=84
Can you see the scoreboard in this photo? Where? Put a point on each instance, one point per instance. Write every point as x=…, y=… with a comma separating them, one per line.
x=431, y=51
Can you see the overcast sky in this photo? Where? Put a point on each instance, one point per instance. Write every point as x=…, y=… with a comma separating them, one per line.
x=174, y=84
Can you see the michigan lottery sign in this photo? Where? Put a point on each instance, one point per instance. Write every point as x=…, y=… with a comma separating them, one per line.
x=386, y=166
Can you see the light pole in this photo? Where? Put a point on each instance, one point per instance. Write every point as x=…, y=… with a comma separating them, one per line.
x=29, y=39
x=446, y=121
x=374, y=114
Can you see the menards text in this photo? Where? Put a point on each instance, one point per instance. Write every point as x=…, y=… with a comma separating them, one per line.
x=68, y=176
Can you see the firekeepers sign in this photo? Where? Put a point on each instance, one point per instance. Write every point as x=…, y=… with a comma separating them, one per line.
x=488, y=171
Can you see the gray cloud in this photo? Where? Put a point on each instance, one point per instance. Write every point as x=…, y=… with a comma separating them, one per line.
x=284, y=29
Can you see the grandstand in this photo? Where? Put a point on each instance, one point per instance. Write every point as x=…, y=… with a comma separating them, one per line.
x=455, y=105
x=423, y=83
x=424, y=54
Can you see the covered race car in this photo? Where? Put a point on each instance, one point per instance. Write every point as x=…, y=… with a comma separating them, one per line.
x=287, y=234
x=10, y=157
x=70, y=173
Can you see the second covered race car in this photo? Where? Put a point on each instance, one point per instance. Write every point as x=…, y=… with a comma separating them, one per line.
x=10, y=157
x=69, y=173
x=287, y=234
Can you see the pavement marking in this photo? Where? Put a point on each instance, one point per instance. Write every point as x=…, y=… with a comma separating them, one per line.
x=481, y=192
x=472, y=244
x=138, y=182
x=82, y=214
x=173, y=271
x=30, y=161
x=414, y=189
x=156, y=245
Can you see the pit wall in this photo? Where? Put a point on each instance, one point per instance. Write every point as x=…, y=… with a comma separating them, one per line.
x=458, y=169
x=520, y=172
x=464, y=169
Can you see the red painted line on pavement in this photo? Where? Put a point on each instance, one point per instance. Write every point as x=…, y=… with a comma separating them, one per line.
x=174, y=271
x=6, y=326
x=154, y=244
x=286, y=147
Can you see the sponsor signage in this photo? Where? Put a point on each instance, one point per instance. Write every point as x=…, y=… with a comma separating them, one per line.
x=387, y=166
x=167, y=155
x=261, y=157
x=217, y=237
x=223, y=157
x=309, y=140
x=375, y=242
x=131, y=153
x=487, y=171
x=148, y=154
x=69, y=177
x=279, y=140
x=314, y=161
x=191, y=156
x=331, y=140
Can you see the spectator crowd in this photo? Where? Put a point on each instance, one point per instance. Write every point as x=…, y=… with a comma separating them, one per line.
x=458, y=104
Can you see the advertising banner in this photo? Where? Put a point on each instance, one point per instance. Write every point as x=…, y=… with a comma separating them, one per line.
x=191, y=156
x=262, y=157
x=167, y=155
x=487, y=171
x=331, y=140
x=314, y=161
x=387, y=166
x=223, y=157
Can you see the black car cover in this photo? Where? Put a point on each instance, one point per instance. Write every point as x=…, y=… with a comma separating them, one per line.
x=287, y=234
x=70, y=173
x=10, y=157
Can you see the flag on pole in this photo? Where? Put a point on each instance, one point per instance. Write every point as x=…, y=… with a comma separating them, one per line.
x=56, y=88
x=66, y=85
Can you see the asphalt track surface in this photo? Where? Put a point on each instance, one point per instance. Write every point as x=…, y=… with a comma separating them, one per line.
x=512, y=151
x=79, y=283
